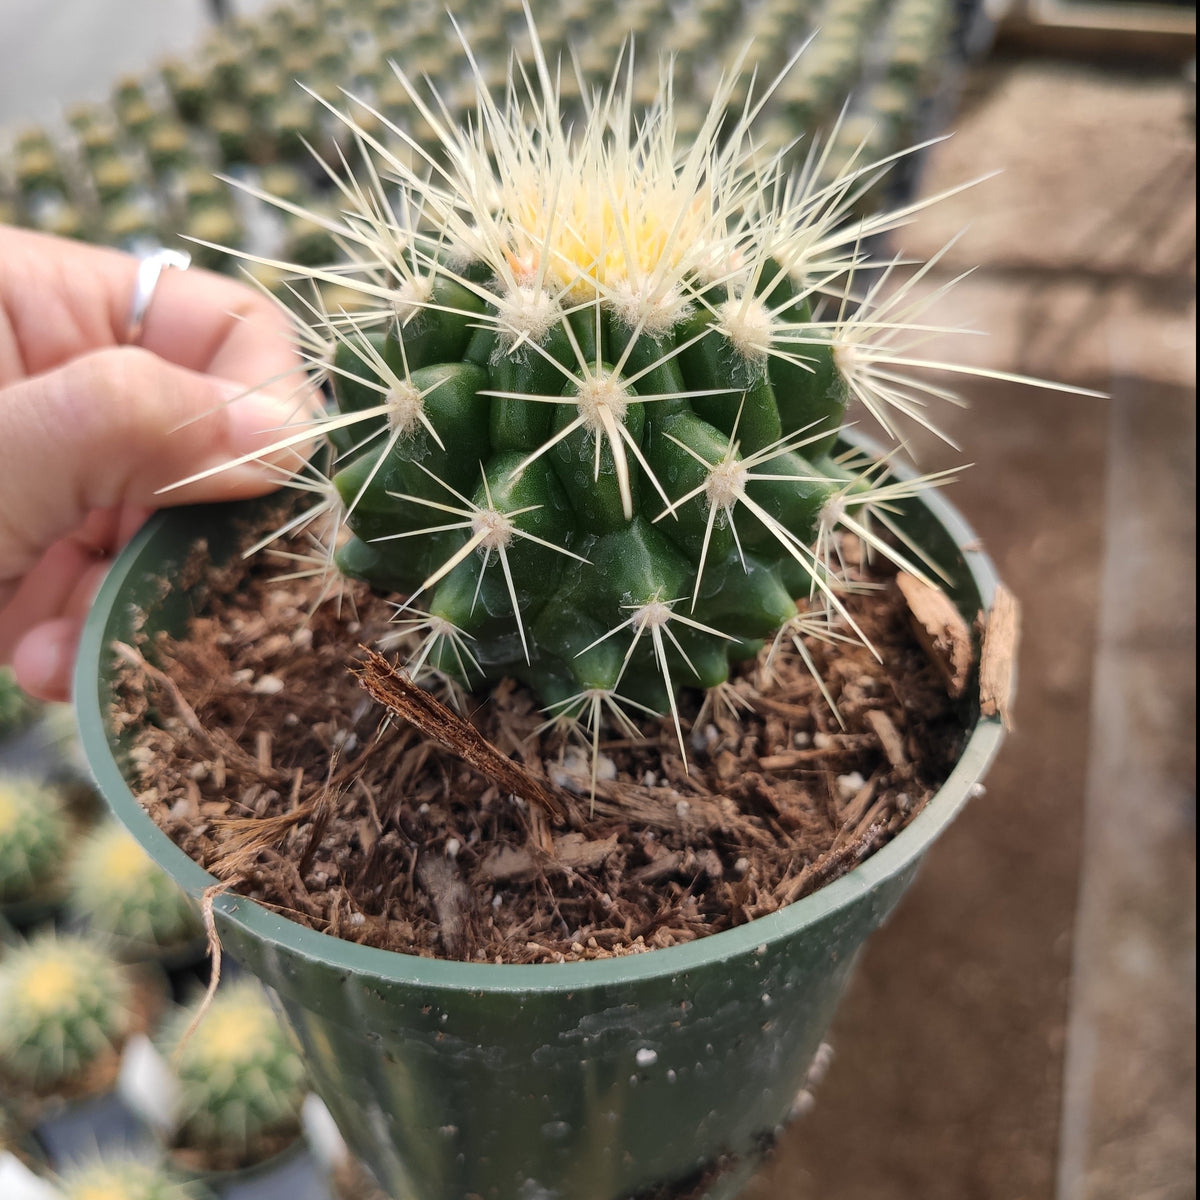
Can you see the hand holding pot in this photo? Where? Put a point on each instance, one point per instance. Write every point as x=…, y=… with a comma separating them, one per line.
x=105, y=398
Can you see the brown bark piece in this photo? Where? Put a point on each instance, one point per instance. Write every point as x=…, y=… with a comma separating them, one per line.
x=889, y=737
x=840, y=746
x=997, y=661
x=579, y=852
x=941, y=630
x=572, y=852
x=415, y=706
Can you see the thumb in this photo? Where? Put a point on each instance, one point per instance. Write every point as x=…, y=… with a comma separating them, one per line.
x=113, y=427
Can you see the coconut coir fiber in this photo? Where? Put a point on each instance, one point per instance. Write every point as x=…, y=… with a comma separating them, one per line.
x=257, y=749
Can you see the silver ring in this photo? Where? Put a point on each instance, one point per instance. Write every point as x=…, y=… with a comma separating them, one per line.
x=150, y=268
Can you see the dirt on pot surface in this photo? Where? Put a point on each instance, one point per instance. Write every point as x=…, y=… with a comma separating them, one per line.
x=257, y=750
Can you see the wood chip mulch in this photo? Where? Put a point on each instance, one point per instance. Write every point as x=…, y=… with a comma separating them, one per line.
x=256, y=747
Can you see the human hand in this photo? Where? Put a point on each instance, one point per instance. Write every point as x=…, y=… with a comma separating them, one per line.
x=92, y=427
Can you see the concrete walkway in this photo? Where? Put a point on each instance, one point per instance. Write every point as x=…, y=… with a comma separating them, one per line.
x=1025, y=1027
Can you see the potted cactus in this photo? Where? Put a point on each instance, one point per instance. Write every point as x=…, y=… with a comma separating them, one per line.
x=69, y=1008
x=124, y=1178
x=16, y=708
x=119, y=893
x=34, y=835
x=237, y=1087
x=589, y=432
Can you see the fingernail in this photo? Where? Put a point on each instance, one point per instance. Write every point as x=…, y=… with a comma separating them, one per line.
x=41, y=662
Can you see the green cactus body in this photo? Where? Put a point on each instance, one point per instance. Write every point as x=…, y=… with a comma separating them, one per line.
x=138, y=116
x=169, y=146
x=33, y=840
x=200, y=189
x=38, y=169
x=190, y=89
x=241, y=1084
x=126, y=223
x=116, y=889
x=213, y=224
x=580, y=477
x=66, y=1005
x=586, y=409
x=238, y=138
x=115, y=178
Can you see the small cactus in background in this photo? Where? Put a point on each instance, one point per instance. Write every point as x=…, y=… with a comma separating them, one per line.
x=587, y=417
x=16, y=708
x=123, y=1179
x=33, y=839
x=62, y=735
x=189, y=88
x=241, y=1084
x=65, y=1004
x=229, y=96
x=117, y=889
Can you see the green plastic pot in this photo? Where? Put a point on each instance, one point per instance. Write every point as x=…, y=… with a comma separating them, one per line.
x=580, y=1081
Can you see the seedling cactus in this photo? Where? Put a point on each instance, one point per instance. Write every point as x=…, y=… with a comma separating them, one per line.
x=241, y=1085
x=117, y=889
x=587, y=410
x=66, y=1004
x=33, y=837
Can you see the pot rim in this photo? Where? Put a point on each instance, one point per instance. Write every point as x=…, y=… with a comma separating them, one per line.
x=392, y=967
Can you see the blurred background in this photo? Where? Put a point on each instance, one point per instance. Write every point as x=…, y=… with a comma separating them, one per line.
x=1024, y=1027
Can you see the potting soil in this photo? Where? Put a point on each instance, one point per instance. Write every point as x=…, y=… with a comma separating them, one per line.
x=257, y=749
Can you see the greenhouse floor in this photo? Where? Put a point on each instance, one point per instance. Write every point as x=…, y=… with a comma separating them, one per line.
x=1024, y=1028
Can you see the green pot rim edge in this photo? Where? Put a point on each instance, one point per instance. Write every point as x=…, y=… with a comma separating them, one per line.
x=454, y=976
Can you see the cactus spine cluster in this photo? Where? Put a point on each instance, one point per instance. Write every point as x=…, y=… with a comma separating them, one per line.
x=240, y=1081
x=65, y=1004
x=117, y=889
x=33, y=838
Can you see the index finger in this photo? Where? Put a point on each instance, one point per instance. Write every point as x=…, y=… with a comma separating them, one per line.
x=60, y=299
